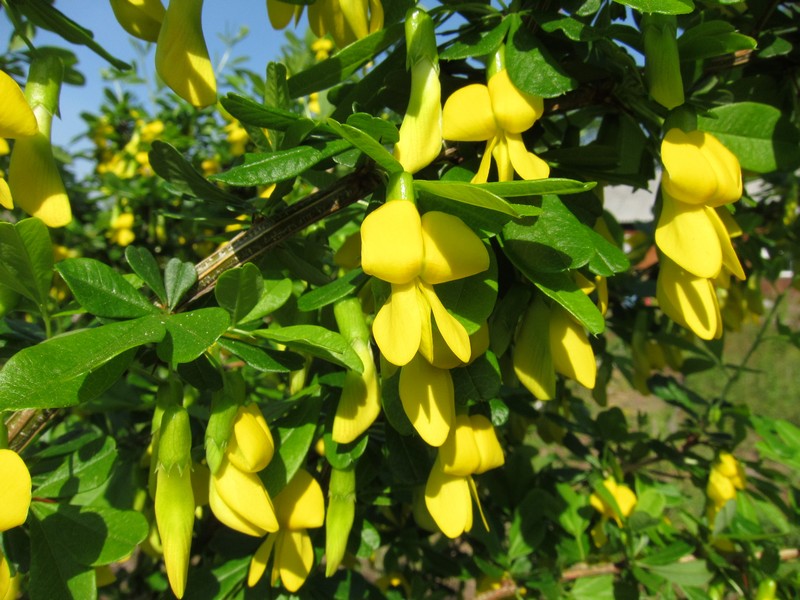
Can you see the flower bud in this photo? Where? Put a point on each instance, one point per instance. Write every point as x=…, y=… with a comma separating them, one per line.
x=251, y=446
x=570, y=348
x=224, y=410
x=341, y=513
x=140, y=18
x=15, y=492
x=662, y=64
x=533, y=362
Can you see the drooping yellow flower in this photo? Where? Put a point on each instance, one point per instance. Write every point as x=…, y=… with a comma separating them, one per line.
x=623, y=496
x=726, y=477
x=236, y=494
x=689, y=300
x=471, y=448
x=140, y=18
x=299, y=506
x=16, y=117
x=497, y=113
x=415, y=253
x=360, y=402
x=237, y=137
x=345, y=20
x=121, y=230
x=550, y=341
x=182, y=56
x=15, y=493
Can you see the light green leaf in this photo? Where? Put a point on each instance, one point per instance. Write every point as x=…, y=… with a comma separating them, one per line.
x=102, y=291
x=266, y=360
x=317, y=341
x=692, y=573
x=664, y=7
x=593, y=588
x=274, y=295
x=144, y=264
x=466, y=193
x=537, y=187
x=254, y=113
x=531, y=67
x=26, y=259
x=190, y=334
x=91, y=535
x=179, y=277
x=364, y=142
x=335, y=290
x=238, y=290
x=762, y=138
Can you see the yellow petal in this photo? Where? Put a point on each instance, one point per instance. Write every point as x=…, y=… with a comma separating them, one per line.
x=182, y=56
x=355, y=14
x=688, y=300
x=467, y=115
x=451, y=249
x=570, y=348
x=459, y=455
x=5, y=577
x=294, y=557
x=427, y=396
x=280, y=13
x=448, y=501
x=398, y=325
x=35, y=182
x=452, y=331
x=500, y=153
x=731, y=226
x=514, y=110
x=300, y=504
x=488, y=445
x=391, y=242
x=720, y=489
x=228, y=517
x=526, y=164
x=250, y=447
x=375, y=16
x=140, y=18
x=6, y=201
x=360, y=403
x=245, y=495
x=686, y=233
x=486, y=162
x=16, y=117
x=174, y=508
x=421, y=130
x=729, y=258
x=531, y=357
x=698, y=169
x=258, y=564
x=15, y=492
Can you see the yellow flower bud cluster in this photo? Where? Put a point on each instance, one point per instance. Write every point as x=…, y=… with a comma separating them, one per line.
x=345, y=20
x=471, y=448
x=132, y=158
x=724, y=480
x=694, y=229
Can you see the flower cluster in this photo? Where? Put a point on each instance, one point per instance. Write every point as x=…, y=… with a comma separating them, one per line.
x=725, y=479
x=694, y=229
x=471, y=448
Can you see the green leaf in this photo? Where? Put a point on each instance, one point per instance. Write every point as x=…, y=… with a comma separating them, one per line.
x=144, y=264
x=381, y=130
x=593, y=588
x=263, y=359
x=762, y=138
x=293, y=436
x=265, y=168
x=254, y=113
x=92, y=535
x=478, y=381
x=317, y=341
x=692, y=573
x=84, y=469
x=239, y=290
x=345, y=63
x=531, y=68
x=466, y=193
x=102, y=291
x=201, y=373
x=537, y=187
x=274, y=295
x=170, y=164
x=343, y=456
x=276, y=91
x=571, y=518
x=666, y=556
x=67, y=369
x=179, y=277
x=26, y=259
x=335, y=290
x=190, y=334
x=476, y=43
x=712, y=38
x=664, y=7
x=364, y=142
x=407, y=457
x=608, y=259
x=471, y=299
x=561, y=288
x=53, y=572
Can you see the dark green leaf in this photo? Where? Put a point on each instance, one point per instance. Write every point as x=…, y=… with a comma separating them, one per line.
x=343, y=64
x=335, y=290
x=179, y=277
x=607, y=259
x=478, y=381
x=467, y=193
x=712, y=38
x=60, y=371
x=664, y=7
x=190, y=334
x=144, y=264
x=317, y=341
x=364, y=142
x=85, y=469
x=381, y=130
x=238, y=290
x=274, y=295
x=53, y=572
x=254, y=113
x=343, y=456
x=102, y=291
x=92, y=535
x=474, y=44
x=263, y=359
x=407, y=457
x=393, y=407
x=26, y=259
x=471, y=299
x=201, y=374
x=531, y=68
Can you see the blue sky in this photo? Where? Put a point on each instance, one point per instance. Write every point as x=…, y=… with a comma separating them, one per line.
x=219, y=18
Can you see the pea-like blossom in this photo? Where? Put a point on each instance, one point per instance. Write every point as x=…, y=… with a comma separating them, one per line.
x=15, y=500
x=345, y=20
x=415, y=253
x=471, y=448
x=623, y=496
x=140, y=18
x=725, y=479
x=497, y=113
x=299, y=506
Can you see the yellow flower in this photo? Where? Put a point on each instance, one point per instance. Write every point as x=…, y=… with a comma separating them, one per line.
x=428, y=399
x=726, y=477
x=150, y=131
x=623, y=496
x=689, y=300
x=360, y=402
x=550, y=341
x=140, y=18
x=182, y=56
x=121, y=232
x=5, y=195
x=321, y=47
x=237, y=137
x=497, y=113
x=346, y=20
x=414, y=253
x=15, y=493
x=299, y=506
x=16, y=117
x=236, y=494
x=471, y=448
